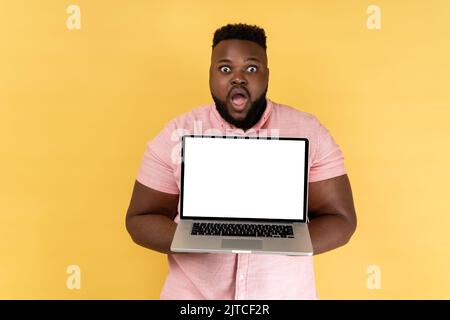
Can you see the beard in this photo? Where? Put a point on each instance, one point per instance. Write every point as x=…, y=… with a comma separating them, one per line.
x=254, y=113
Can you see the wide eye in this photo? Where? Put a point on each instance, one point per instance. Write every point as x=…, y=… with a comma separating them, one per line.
x=225, y=69
x=252, y=69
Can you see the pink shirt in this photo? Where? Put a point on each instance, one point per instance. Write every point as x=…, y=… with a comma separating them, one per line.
x=238, y=276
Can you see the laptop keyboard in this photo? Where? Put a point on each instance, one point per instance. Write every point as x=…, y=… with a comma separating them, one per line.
x=242, y=230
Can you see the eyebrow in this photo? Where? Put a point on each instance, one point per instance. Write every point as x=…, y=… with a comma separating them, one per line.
x=248, y=59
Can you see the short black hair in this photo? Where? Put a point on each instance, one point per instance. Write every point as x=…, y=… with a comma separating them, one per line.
x=240, y=31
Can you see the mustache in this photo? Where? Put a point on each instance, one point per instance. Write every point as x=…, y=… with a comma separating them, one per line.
x=228, y=97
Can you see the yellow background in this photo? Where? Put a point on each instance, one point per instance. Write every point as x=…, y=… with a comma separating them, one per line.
x=78, y=106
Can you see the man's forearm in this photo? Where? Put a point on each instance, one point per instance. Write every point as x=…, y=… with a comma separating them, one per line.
x=329, y=232
x=156, y=232
x=153, y=231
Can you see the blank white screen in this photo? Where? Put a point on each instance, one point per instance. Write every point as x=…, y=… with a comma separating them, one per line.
x=244, y=178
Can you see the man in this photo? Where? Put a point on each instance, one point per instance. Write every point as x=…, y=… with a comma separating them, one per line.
x=239, y=79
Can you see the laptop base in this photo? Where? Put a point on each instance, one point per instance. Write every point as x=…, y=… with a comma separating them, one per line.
x=183, y=241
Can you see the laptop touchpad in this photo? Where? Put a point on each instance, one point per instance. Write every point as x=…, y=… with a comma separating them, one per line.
x=241, y=243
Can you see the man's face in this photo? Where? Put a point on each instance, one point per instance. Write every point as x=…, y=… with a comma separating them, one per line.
x=238, y=78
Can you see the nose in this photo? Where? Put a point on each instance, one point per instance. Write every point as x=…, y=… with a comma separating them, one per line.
x=238, y=79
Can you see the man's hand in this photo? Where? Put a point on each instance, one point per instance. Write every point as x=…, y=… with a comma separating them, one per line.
x=331, y=213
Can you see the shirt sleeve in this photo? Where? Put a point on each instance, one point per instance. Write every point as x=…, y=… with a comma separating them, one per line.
x=328, y=160
x=157, y=167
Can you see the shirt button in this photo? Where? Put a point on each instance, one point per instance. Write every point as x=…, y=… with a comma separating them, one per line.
x=241, y=277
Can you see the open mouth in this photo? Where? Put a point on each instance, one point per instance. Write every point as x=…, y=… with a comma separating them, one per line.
x=239, y=99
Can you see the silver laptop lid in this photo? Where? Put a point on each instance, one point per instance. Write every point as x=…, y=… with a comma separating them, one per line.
x=244, y=178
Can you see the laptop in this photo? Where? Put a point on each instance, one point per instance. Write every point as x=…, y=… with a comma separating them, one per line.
x=243, y=194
